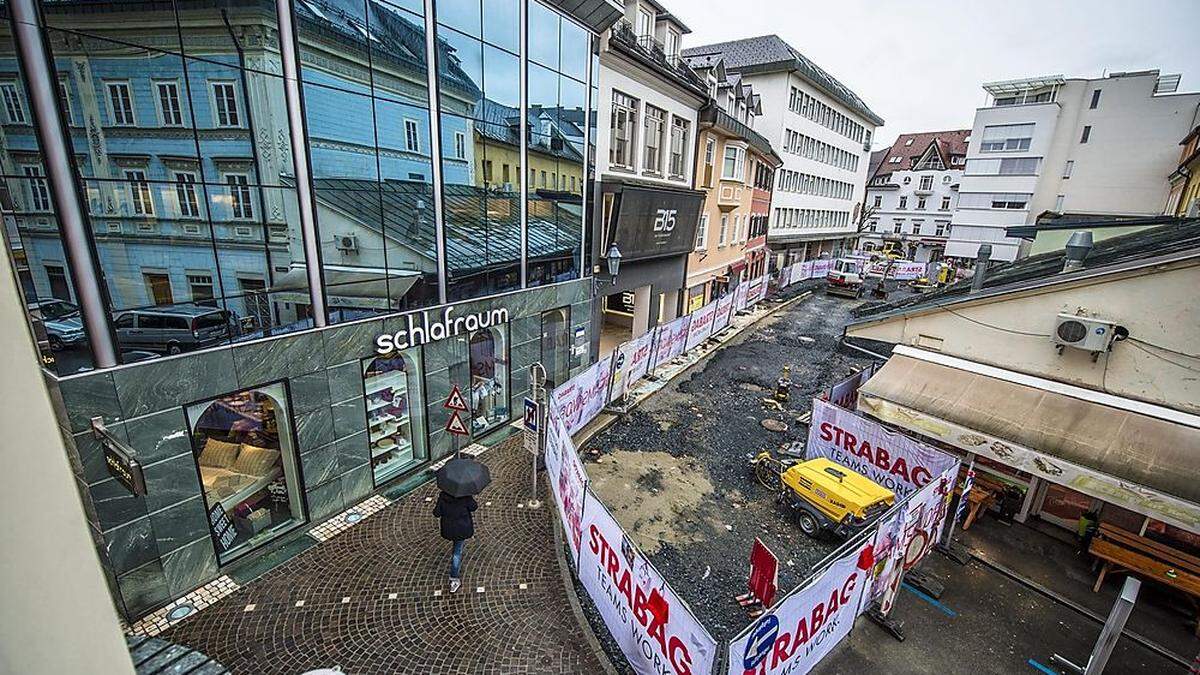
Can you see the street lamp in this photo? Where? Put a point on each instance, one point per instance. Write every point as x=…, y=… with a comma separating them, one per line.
x=614, y=262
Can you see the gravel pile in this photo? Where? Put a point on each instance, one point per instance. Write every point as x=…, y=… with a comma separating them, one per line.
x=712, y=418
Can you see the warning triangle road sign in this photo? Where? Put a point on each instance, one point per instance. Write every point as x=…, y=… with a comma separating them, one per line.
x=455, y=425
x=455, y=400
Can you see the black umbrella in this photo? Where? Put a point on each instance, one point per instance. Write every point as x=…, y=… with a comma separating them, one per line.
x=462, y=477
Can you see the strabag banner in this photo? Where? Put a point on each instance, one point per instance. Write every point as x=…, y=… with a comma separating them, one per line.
x=701, y=326
x=724, y=313
x=801, y=629
x=578, y=400
x=806, y=269
x=844, y=394
x=656, y=631
x=670, y=341
x=568, y=481
x=895, y=461
x=821, y=268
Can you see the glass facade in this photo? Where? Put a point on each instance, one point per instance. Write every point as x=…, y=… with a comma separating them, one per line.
x=177, y=116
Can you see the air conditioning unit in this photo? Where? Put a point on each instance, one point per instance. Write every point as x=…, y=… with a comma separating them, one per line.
x=347, y=243
x=1082, y=332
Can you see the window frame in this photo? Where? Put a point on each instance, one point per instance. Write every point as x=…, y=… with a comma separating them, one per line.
x=34, y=175
x=141, y=198
x=15, y=101
x=412, y=135
x=658, y=117
x=217, y=101
x=241, y=206
x=158, y=103
x=111, y=86
x=189, y=187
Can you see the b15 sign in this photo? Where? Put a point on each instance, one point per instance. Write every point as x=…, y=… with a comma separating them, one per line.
x=656, y=632
x=895, y=461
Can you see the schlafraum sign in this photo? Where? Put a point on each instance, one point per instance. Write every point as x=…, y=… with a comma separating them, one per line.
x=443, y=325
x=656, y=632
x=801, y=629
x=895, y=461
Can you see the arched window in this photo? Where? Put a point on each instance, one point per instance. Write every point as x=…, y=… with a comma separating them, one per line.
x=395, y=413
x=242, y=443
x=489, y=378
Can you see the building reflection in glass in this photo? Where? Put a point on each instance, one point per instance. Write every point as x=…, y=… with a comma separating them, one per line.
x=176, y=113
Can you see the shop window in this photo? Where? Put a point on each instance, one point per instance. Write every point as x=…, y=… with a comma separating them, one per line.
x=246, y=457
x=395, y=413
x=489, y=378
x=556, y=346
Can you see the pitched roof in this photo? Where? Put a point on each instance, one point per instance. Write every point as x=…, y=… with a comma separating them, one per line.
x=769, y=53
x=1179, y=238
x=877, y=158
x=949, y=143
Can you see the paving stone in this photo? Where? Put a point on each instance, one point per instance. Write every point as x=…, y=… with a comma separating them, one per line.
x=391, y=565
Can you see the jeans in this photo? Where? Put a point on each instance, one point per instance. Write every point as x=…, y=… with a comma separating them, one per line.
x=456, y=559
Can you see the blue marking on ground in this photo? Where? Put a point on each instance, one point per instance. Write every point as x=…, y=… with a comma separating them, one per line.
x=1044, y=669
x=944, y=609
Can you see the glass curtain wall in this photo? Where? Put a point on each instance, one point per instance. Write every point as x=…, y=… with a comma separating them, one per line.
x=366, y=105
x=176, y=114
x=557, y=72
x=479, y=76
x=31, y=233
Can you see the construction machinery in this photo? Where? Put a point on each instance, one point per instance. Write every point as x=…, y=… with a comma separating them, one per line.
x=826, y=496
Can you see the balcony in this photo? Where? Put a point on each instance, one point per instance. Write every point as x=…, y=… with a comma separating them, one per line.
x=650, y=51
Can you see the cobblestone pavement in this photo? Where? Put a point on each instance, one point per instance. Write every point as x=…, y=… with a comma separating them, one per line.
x=375, y=599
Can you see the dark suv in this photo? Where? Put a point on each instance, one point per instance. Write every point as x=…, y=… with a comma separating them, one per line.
x=173, y=330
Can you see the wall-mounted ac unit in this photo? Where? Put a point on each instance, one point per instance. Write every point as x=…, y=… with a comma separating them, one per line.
x=347, y=243
x=1082, y=332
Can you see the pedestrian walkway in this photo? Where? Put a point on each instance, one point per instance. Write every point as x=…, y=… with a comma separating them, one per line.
x=374, y=598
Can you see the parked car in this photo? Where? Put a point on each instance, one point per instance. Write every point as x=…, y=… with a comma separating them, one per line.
x=60, y=321
x=173, y=330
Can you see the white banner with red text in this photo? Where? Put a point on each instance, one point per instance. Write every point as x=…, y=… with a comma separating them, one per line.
x=740, y=296
x=893, y=460
x=670, y=341
x=581, y=398
x=568, y=481
x=807, y=623
x=700, y=328
x=656, y=631
x=915, y=532
x=724, y=313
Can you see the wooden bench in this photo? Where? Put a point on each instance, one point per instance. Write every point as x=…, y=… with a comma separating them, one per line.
x=1124, y=551
x=984, y=492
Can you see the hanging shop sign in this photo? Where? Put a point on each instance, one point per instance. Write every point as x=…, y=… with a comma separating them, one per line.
x=804, y=626
x=442, y=325
x=120, y=459
x=895, y=461
x=655, y=630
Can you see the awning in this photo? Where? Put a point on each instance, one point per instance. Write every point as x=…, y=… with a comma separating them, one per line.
x=352, y=282
x=1126, y=456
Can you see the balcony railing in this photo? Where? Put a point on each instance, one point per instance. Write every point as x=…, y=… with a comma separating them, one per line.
x=649, y=48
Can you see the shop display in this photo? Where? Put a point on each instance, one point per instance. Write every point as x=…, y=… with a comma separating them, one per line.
x=246, y=466
x=389, y=416
x=489, y=379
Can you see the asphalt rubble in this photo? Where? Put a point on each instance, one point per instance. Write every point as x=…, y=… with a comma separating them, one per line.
x=710, y=420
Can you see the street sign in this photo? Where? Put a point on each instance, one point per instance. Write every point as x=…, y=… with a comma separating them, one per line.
x=455, y=401
x=532, y=415
x=455, y=425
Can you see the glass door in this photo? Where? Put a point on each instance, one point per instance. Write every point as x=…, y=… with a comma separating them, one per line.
x=556, y=346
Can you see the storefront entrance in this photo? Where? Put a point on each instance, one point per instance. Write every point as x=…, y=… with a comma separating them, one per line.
x=246, y=458
x=556, y=345
x=619, y=312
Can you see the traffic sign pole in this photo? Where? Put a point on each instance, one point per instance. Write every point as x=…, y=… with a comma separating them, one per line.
x=456, y=404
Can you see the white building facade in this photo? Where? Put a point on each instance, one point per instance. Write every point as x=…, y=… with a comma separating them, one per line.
x=821, y=129
x=1101, y=146
x=913, y=193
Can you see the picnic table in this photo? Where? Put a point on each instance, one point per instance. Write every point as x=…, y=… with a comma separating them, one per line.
x=1123, y=551
x=984, y=492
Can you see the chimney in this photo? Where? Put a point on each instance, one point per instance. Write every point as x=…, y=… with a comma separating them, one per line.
x=981, y=265
x=1079, y=246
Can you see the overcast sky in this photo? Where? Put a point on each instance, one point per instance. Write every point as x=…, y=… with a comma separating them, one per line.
x=919, y=65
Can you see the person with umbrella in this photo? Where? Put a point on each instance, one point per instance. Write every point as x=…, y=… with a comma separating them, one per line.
x=459, y=481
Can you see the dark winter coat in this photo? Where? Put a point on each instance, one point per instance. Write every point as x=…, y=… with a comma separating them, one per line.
x=455, y=512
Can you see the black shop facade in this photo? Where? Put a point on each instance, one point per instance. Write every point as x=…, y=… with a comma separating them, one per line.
x=651, y=229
